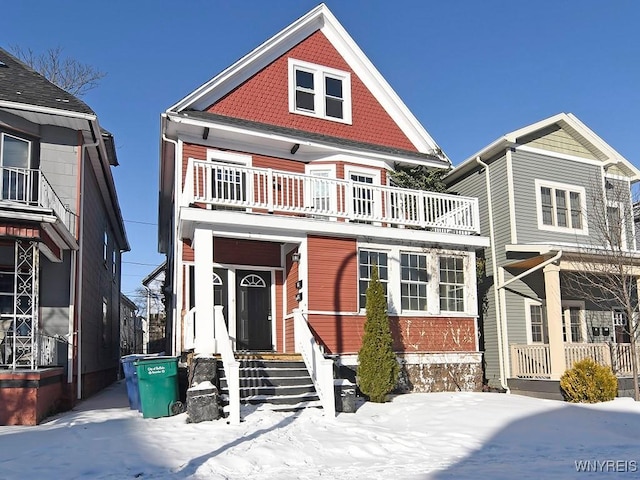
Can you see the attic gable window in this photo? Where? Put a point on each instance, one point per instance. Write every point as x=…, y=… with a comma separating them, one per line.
x=319, y=91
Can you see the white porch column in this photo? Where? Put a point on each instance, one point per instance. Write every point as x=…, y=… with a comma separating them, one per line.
x=554, y=320
x=203, y=255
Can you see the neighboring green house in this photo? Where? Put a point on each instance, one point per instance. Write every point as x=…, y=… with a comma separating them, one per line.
x=555, y=200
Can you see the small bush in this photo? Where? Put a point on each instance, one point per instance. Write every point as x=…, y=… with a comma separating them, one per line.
x=588, y=382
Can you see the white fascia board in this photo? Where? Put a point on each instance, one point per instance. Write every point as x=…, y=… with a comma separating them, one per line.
x=254, y=138
x=253, y=62
x=260, y=224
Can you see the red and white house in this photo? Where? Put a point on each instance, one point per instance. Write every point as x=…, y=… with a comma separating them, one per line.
x=276, y=201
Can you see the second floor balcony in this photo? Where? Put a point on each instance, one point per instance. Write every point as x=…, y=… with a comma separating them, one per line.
x=265, y=190
x=30, y=188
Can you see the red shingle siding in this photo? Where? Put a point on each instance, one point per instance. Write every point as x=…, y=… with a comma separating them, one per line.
x=246, y=252
x=333, y=274
x=343, y=334
x=265, y=98
x=429, y=334
x=191, y=151
x=290, y=336
x=187, y=251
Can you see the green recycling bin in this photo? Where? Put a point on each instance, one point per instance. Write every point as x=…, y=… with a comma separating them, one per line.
x=158, y=385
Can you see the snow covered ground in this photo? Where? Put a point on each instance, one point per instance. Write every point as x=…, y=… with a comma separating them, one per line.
x=416, y=436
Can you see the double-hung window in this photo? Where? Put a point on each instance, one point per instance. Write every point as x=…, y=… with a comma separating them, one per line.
x=452, y=284
x=366, y=260
x=319, y=91
x=413, y=281
x=560, y=207
x=537, y=326
x=14, y=159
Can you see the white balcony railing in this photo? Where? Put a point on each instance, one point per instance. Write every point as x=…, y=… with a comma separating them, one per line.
x=533, y=361
x=30, y=187
x=32, y=351
x=263, y=189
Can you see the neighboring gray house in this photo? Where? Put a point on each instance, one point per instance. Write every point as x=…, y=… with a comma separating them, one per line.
x=130, y=327
x=61, y=238
x=556, y=202
x=155, y=317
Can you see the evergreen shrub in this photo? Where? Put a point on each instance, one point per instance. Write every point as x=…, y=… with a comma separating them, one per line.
x=588, y=382
x=377, y=365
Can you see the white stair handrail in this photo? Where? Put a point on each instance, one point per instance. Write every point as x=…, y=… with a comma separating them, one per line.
x=231, y=365
x=320, y=368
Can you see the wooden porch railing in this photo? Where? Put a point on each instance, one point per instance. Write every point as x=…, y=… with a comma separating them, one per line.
x=533, y=361
x=264, y=189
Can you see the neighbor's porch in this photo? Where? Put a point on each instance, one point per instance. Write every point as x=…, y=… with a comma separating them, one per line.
x=534, y=361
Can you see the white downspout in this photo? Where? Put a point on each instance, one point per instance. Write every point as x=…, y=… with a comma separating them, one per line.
x=80, y=260
x=174, y=273
x=494, y=266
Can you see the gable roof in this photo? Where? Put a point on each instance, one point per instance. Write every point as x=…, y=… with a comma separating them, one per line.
x=566, y=121
x=20, y=84
x=320, y=18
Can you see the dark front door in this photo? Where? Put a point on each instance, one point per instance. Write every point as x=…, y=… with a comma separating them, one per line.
x=253, y=294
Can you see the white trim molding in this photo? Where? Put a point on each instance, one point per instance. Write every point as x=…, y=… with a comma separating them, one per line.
x=555, y=186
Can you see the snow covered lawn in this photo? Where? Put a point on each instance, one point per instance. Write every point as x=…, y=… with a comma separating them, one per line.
x=417, y=436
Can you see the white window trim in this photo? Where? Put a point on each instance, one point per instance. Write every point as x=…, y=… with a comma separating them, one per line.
x=28, y=142
x=429, y=261
x=226, y=157
x=623, y=228
x=528, y=303
x=570, y=188
x=323, y=167
x=394, y=293
x=566, y=319
x=465, y=284
x=390, y=305
x=375, y=174
x=319, y=72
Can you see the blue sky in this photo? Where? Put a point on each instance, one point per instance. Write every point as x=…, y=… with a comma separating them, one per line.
x=470, y=71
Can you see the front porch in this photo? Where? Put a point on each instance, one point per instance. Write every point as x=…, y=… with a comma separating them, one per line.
x=534, y=361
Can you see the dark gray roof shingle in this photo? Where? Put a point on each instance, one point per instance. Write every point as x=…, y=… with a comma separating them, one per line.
x=19, y=83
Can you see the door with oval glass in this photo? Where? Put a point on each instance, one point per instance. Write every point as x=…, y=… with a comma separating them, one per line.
x=253, y=315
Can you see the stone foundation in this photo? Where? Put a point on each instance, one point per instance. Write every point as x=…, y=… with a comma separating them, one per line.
x=440, y=372
x=429, y=372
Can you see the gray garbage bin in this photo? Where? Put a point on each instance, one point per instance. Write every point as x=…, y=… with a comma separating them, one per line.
x=345, y=394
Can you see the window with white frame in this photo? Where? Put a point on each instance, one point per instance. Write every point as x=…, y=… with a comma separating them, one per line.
x=616, y=225
x=560, y=207
x=322, y=188
x=319, y=91
x=573, y=325
x=365, y=198
x=366, y=260
x=413, y=281
x=536, y=320
x=229, y=180
x=451, y=284
x=15, y=153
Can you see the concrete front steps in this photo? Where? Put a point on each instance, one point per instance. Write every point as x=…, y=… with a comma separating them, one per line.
x=272, y=382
